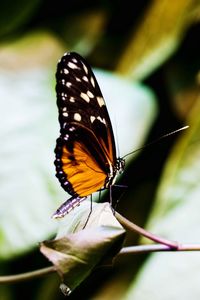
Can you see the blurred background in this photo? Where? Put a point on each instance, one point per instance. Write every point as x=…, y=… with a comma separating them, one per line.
x=146, y=58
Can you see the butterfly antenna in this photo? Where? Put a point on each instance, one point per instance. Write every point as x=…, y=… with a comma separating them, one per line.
x=157, y=140
x=116, y=139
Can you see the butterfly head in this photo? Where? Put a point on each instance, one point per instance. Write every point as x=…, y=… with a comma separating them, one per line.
x=120, y=165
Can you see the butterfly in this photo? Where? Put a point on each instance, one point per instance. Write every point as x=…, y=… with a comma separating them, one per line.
x=85, y=151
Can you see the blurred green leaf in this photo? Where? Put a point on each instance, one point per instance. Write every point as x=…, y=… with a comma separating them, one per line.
x=176, y=216
x=84, y=30
x=29, y=128
x=157, y=36
x=5, y=293
x=77, y=251
x=28, y=131
x=14, y=14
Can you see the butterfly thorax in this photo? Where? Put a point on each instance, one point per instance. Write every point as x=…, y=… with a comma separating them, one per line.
x=114, y=171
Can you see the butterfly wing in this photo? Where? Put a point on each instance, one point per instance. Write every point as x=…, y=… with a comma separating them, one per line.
x=85, y=150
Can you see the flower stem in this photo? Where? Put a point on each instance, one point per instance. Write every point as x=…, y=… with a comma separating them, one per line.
x=156, y=248
x=27, y=275
x=131, y=226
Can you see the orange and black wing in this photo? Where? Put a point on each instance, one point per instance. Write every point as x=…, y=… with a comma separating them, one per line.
x=85, y=151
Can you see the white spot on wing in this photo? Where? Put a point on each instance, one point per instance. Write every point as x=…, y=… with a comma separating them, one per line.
x=92, y=81
x=85, y=68
x=71, y=65
x=85, y=97
x=65, y=114
x=68, y=84
x=78, y=79
x=71, y=99
x=85, y=78
x=92, y=118
x=66, y=137
x=65, y=71
x=63, y=95
x=100, y=100
x=74, y=60
x=77, y=117
x=101, y=120
x=90, y=94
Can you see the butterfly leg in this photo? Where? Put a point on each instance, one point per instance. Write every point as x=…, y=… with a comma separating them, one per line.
x=88, y=217
x=110, y=199
x=110, y=195
x=100, y=195
x=114, y=207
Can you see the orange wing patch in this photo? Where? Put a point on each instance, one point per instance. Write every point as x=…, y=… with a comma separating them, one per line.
x=82, y=171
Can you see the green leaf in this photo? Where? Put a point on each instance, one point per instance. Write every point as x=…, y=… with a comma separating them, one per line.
x=176, y=216
x=76, y=251
x=28, y=131
x=156, y=37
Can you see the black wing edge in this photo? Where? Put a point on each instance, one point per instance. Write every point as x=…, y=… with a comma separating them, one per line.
x=60, y=174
